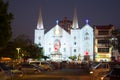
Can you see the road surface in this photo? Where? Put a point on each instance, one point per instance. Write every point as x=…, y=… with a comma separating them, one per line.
x=62, y=74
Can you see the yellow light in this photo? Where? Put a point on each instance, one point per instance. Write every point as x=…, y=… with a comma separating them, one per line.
x=102, y=78
x=57, y=32
x=91, y=72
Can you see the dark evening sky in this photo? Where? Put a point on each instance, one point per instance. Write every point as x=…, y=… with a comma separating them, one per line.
x=26, y=12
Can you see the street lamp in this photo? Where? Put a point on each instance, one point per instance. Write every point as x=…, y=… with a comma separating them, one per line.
x=18, y=50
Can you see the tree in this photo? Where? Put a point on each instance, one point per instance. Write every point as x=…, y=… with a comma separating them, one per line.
x=23, y=42
x=27, y=49
x=73, y=58
x=34, y=51
x=45, y=57
x=5, y=24
x=10, y=50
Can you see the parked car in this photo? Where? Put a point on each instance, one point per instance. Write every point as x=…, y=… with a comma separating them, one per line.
x=36, y=64
x=4, y=75
x=99, y=70
x=92, y=65
x=29, y=68
x=114, y=64
x=9, y=73
x=38, y=67
x=46, y=66
x=114, y=74
x=17, y=74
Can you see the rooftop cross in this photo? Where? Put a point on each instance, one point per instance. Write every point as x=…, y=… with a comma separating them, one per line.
x=57, y=22
x=87, y=21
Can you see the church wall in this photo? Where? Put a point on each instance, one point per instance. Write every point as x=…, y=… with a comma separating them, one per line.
x=75, y=42
x=48, y=48
x=39, y=37
x=87, y=41
x=79, y=42
x=64, y=41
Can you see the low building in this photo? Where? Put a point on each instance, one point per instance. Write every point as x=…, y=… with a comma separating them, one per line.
x=102, y=45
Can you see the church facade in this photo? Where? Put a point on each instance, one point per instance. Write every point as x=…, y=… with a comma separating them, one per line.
x=59, y=45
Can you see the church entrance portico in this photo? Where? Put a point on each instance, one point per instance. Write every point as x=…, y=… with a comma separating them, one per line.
x=56, y=56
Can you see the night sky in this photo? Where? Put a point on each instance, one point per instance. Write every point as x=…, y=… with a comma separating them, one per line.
x=26, y=12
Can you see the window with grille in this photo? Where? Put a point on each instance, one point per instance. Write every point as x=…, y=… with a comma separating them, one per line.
x=103, y=49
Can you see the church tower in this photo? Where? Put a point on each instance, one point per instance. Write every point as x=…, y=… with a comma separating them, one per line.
x=75, y=20
x=39, y=32
x=87, y=42
x=75, y=31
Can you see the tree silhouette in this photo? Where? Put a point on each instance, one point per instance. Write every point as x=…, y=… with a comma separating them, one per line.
x=5, y=24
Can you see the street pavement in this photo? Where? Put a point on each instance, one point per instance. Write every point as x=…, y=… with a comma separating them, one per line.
x=62, y=74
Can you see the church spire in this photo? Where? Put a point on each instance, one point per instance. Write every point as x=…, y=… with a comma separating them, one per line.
x=40, y=21
x=75, y=20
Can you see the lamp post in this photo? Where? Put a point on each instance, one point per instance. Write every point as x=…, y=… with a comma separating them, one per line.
x=18, y=50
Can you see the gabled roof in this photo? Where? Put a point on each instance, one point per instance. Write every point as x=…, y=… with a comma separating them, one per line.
x=57, y=27
x=87, y=25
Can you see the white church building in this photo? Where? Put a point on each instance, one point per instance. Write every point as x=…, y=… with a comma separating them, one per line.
x=59, y=45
